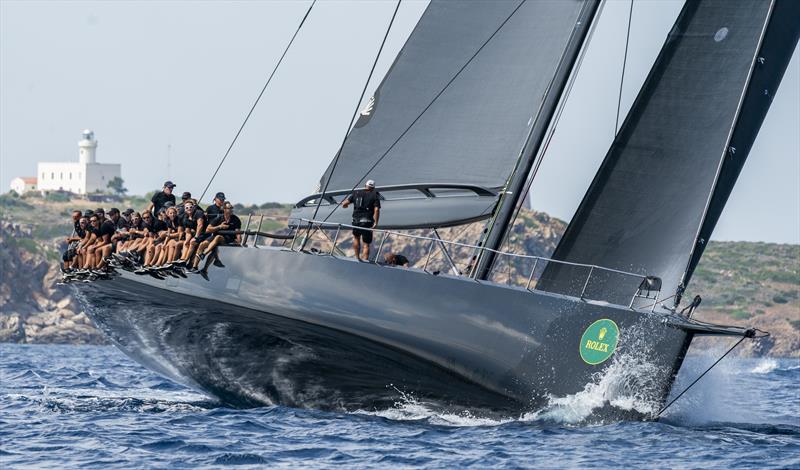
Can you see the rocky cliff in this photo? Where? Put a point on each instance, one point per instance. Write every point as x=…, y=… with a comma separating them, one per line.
x=33, y=309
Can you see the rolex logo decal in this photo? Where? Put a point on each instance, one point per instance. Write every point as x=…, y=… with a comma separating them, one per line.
x=599, y=341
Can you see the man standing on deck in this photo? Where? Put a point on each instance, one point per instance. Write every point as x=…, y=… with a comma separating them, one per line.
x=366, y=212
x=160, y=198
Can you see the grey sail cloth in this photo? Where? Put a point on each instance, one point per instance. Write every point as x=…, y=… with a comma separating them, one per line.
x=645, y=205
x=776, y=52
x=475, y=130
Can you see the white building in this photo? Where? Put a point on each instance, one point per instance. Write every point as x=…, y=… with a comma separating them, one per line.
x=81, y=177
x=23, y=184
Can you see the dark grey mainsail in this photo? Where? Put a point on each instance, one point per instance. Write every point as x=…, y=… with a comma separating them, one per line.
x=646, y=204
x=474, y=132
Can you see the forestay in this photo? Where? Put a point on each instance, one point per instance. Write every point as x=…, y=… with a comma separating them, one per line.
x=647, y=202
x=474, y=131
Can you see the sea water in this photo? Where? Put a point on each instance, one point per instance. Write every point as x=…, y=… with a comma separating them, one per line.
x=84, y=406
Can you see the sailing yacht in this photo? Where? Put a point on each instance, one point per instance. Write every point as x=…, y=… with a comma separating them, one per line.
x=453, y=135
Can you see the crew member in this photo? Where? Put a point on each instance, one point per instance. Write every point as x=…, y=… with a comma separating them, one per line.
x=160, y=198
x=194, y=224
x=72, y=241
x=120, y=222
x=215, y=209
x=366, y=212
x=226, y=222
x=184, y=197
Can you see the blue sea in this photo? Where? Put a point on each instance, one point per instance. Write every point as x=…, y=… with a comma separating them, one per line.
x=83, y=406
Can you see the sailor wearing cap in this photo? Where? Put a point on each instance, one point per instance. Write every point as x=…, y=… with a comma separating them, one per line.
x=366, y=212
x=162, y=197
x=215, y=209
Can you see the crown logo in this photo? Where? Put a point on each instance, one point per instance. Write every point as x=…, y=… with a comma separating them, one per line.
x=602, y=334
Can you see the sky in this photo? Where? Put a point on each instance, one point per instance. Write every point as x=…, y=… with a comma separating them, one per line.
x=166, y=85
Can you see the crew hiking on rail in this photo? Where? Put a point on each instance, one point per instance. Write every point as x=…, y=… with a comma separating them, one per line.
x=166, y=239
x=163, y=240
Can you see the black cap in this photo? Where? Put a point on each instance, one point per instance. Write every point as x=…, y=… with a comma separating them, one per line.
x=113, y=210
x=220, y=196
x=128, y=211
x=186, y=195
x=88, y=213
x=169, y=184
x=99, y=210
x=168, y=204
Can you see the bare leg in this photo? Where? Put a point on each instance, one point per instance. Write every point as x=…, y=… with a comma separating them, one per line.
x=105, y=253
x=89, y=258
x=214, y=243
x=357, y=246
x=365, y=255
x=201, y=249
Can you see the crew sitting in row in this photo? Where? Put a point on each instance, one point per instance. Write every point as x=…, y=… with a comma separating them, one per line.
x=161, y=237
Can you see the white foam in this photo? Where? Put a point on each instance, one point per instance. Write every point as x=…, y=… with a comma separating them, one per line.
x=765, y=366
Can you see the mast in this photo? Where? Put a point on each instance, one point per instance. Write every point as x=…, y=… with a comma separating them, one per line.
x=514, y=189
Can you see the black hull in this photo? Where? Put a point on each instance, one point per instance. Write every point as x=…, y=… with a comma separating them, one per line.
x=277, y=326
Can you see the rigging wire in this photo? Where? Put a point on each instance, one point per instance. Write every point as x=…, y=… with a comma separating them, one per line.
x=749, y=335
x=624, y=63
x=355, y=113
x=555, y=122
x=258, y=98
x=419, y=116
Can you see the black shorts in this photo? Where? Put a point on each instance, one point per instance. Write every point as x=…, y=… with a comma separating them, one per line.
x=203, y=237
x=70, y=254
x=364, y=235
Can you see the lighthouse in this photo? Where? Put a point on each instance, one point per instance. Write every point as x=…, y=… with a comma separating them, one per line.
x=88, y=147
x=85, y=176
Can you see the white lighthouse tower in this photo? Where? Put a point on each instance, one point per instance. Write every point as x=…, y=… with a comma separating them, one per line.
x=85, y=176
x=88, y=147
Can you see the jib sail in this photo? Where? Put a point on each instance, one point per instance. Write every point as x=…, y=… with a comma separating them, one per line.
x=646, y=205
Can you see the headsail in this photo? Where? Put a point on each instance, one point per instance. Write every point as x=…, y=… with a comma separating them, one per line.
x=777, y=47
x=473, y=133
x=647, y=202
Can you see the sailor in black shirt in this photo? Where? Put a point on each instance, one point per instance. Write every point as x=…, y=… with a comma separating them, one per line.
x=171, y=238
x=194, y=225
x=158, y=233
x=160, y=198
x=184, y=197
x=86, y=233
x=100, y=247
x=366, y=212
x=226, y=222
x=216, y=209
x=119, y=221
x=72, y=241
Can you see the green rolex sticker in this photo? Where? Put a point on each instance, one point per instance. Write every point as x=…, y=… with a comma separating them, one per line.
x=599, y=341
